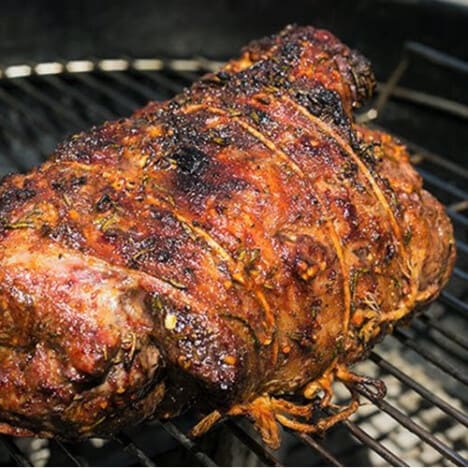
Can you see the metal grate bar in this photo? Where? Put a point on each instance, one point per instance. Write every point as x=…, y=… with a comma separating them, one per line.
x=379, y=448
x=456, y=169
x=18, y=132
x=435, y=102
x=407, y=422
x=459, y=206
x=53, y=104
x=75, y=461
x=443, y=347
x=460, y=274
x=440, y=184
x=130, y=447
x=161, y=80
x=14, y=451
x=188, y=76
x=421, y=331
x=19, y=106
x=144, y=91
x=26, y=124
x=436, y=56
x=372, y=443
x=405, y=337
x=324, y=453
x=457, y=217
x=64, y=87
x=111, y=93
x=461, y=246
x=423, y=391
x=264, y=454
x=434, y=324
x=427, y=100
x=457, y=304
x=388, y=87
x=13, y=131
x=187, y=443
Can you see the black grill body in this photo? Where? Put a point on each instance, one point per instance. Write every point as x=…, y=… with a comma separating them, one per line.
x=424, y=418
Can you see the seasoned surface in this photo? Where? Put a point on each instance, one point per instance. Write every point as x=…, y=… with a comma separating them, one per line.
x=245, y=239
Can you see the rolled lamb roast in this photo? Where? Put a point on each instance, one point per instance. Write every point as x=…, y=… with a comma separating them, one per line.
x=245, y=240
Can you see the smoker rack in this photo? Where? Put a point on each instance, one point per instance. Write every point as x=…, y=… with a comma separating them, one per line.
x=41, y=103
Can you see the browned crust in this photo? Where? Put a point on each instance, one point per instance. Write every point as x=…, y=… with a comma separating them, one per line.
x=258, y=239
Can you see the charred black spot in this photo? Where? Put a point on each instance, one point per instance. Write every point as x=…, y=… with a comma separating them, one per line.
x=12, y=197
x=191, y=161
x=45, y=230
x=25, y=194
x=325, y=104
x=59, y=185
x=223, y=75
x=198, y=176
x=291, y=50
x=64, y=184
x=15, y=195
x=218, y=79
x=77, y=181
x=349, y=170
x=390, y=251
x=104, y=203
x=367, y=154
x=163, y=256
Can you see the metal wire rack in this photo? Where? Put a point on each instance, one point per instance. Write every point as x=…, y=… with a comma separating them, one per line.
x=424, y=366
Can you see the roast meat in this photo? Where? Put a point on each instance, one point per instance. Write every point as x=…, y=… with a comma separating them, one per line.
x=236, y=245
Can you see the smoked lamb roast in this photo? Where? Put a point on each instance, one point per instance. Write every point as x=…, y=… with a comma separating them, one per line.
x=245, y=241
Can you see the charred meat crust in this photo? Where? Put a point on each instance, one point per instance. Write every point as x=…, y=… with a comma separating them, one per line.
x=236, y=240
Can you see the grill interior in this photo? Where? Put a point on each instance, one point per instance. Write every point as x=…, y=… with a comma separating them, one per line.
x=422, y=420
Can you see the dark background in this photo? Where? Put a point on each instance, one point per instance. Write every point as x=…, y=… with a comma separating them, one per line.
x=42, y=30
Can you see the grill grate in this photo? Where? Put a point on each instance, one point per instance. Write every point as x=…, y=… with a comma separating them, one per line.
x=426, y=363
